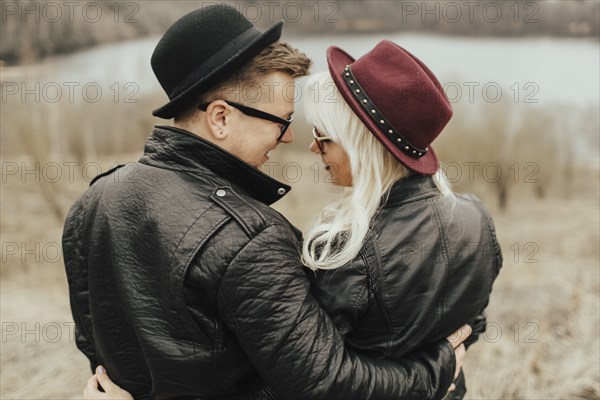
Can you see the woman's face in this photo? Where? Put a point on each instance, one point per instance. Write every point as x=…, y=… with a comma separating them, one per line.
x=334, y=157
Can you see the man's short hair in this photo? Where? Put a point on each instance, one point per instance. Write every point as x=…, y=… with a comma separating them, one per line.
x=277, y=57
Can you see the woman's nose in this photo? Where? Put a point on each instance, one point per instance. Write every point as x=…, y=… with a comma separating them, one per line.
x=313, y=147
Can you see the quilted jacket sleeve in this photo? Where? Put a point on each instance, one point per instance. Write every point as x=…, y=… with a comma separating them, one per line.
x=78, y=286
x=479, y=323
x=264, y=298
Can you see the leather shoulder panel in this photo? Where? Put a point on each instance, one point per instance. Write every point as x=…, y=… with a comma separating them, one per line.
x=247, y=215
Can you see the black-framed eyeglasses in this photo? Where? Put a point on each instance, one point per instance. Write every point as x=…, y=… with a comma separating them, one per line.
x=253, y=112
x=320, y=139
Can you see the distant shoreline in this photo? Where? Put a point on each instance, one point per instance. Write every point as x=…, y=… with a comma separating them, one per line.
x=43, y=30
x=294, y=34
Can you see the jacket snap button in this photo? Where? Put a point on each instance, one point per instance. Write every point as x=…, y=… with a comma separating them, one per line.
x=281, y=191
x=221, y=193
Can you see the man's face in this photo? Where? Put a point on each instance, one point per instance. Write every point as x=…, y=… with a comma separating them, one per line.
x=253, y=139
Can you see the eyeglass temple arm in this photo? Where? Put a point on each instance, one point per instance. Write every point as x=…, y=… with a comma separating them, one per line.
x=252, y=112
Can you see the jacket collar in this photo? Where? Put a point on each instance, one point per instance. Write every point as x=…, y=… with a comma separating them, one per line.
x=412, y=188
x=173, y=148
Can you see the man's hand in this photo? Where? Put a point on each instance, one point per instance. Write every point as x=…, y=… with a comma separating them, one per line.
x=457, y=339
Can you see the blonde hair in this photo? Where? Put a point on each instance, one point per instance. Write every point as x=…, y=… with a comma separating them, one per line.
x=277, y=57
x=338, y=231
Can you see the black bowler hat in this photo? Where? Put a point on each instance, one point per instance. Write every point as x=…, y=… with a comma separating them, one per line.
x=201, y=49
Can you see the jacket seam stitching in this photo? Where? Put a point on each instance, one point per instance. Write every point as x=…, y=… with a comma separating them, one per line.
x=359, y=296
x=370, y=242
x=444, y=239
x=187, y=265
x=194, y=253
x=184, y=236
x=491, y=235
x=388, y=319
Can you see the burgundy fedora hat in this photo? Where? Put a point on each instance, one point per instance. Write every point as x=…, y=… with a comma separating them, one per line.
x=397, y=97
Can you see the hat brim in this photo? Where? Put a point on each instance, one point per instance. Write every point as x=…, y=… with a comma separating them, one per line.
x=337, y=60
x=268, y=37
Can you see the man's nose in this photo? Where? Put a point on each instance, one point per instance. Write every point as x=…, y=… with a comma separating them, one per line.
x=288, y=136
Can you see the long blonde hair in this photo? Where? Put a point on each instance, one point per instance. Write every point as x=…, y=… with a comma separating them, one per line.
x=338, y=231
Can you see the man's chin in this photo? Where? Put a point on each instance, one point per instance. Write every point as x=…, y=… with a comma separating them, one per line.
x=262, y=162
x=256, y=165
x=259, y=164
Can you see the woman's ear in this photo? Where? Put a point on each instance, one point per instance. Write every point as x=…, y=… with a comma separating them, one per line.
x=218, y=115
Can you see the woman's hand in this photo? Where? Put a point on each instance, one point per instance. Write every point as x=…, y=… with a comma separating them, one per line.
x=457, y=339
x=111, y=390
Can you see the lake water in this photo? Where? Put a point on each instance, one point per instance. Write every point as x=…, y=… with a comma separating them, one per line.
x=541, y=71
x=534, y=71
x=557, y=70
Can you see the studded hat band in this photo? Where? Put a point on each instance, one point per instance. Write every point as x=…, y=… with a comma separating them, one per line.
x=378, y=117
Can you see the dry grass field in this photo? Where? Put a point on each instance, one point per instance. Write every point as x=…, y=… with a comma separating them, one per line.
x=543, y=334
x=534, y=164
x=543, y=337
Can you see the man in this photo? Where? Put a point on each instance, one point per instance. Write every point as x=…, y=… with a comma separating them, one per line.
x=183, y=282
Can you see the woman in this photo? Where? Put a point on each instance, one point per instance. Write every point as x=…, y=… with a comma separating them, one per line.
x=399, y=260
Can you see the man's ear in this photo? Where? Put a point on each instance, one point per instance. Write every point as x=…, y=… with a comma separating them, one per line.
x=218, y=119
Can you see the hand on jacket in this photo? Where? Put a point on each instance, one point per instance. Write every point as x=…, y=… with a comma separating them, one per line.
x=457, y=339
x=114, y=392
x=111, y=390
